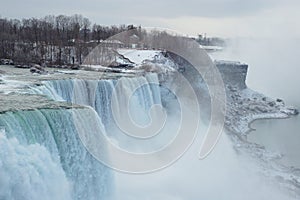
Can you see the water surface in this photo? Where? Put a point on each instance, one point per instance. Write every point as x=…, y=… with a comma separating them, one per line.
x=279, y=135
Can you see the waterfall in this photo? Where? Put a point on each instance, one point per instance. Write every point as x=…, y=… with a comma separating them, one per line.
x=52, y=135
x=28, y=172
x=52, y=132
x=143, y=91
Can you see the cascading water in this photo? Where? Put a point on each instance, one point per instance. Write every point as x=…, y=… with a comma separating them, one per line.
x=29, y=172
x=54, y=134
x=55, y=130
x=98, y=94
x=141, y=93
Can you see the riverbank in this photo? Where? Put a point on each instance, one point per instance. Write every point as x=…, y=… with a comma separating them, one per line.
x=246, y=106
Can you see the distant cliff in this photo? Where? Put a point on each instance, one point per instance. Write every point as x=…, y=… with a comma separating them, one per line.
x=243, y=105
x=233, y=73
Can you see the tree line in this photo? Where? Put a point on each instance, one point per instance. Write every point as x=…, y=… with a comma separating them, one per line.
x=67, y=40
x=52, y=39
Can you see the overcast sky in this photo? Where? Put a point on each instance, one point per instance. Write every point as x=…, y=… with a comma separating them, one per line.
x=229, y=18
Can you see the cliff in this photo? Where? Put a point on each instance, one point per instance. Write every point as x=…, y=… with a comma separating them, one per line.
x=233, y=73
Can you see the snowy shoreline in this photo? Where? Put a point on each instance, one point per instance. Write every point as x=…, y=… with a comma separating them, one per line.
x=246, y=106
x=249, y=128
x=266, y=117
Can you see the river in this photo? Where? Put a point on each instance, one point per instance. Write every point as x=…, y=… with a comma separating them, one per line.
x=279, y=135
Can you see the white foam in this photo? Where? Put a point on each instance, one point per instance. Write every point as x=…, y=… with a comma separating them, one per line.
x=29, y=173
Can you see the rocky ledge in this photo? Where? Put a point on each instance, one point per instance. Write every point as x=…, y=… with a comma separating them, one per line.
x=15, y=102
x=245, y=105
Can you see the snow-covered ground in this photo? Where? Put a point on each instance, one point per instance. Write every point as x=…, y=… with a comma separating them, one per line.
x=139, y=56
x=136, y=61
x=211, y=48
x=245, y=106
x=110, y=69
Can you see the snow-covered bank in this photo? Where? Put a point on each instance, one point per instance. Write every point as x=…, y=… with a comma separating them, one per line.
x=139, y=56
x=245, y=106
x=132, y=61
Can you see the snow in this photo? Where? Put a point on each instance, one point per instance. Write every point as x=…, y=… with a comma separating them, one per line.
x=68, y=71
x=110, y=69
x=138, y=56
x=248, y=106
x=8, y=86
x=227, y=62
x=211, y=48
x=148, y=60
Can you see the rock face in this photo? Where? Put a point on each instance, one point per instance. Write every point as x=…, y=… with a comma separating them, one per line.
x=38, y=69
x=234, y=73
x=245, y=105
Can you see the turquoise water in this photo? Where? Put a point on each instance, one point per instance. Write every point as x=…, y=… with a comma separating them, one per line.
x=38, y=133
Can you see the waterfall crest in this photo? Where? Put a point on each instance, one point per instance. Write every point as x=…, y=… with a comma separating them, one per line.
x=141, y=93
